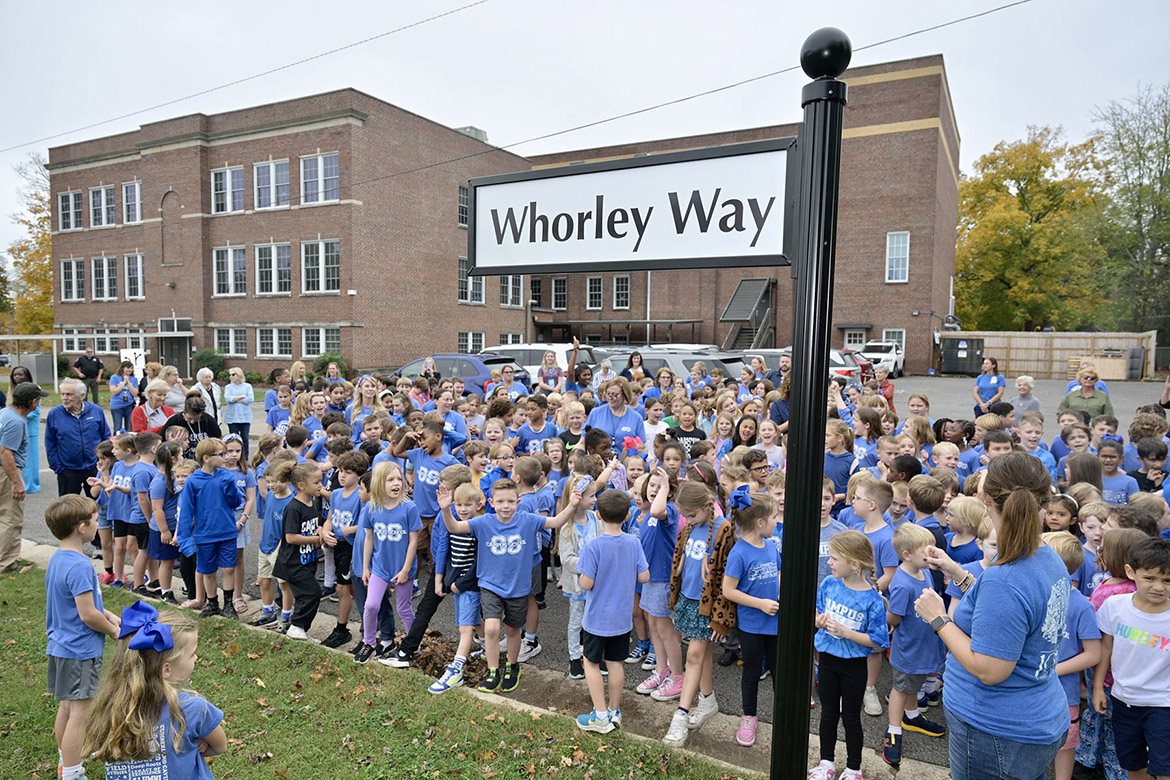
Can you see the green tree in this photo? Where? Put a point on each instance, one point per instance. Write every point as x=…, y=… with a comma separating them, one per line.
x=1028, y=254
x=32, y=256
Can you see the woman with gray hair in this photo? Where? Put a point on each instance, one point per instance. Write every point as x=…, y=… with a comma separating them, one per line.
x=212, y=396
x=153, y=414
x=176, y=393
x=1024, y=400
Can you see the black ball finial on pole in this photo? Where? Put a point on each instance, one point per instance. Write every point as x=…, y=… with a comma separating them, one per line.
x=826, y=53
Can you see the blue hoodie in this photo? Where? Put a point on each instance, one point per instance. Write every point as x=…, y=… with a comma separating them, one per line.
x=70, y=442
x=207, y=507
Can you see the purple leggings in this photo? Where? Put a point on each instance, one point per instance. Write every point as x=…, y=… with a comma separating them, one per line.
x=377, y=590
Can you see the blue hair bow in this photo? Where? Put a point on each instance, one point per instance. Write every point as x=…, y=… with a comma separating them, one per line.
x=740, y=498
x=1111, y=437
x=142, y=620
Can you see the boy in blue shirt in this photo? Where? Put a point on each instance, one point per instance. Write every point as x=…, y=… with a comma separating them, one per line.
x=424, y=452
x=76, y=622
x=926, y=499
x=209, y=498
x=279, y=494
x=141, y=475
x=530, y=438
x=126, y=535
x=504, y=541
x=345, y=505
x=915, y=650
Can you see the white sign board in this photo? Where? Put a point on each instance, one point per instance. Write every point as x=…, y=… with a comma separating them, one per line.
x=719, y=206
x=137, y=357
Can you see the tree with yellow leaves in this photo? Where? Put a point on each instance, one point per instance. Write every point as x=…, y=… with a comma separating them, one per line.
x=32, y=256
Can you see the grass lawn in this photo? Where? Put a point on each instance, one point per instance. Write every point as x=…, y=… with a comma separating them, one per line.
x=299, y=711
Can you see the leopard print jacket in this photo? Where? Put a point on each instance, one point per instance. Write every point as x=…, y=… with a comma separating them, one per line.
x=712, y=603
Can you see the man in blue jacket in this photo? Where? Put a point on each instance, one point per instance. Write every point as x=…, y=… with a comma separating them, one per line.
x=72, y=432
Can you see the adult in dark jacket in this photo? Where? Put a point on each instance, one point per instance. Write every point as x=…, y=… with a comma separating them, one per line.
x=195, y=420
x=72, y=432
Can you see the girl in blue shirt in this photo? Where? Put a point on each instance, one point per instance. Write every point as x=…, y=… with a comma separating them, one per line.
x=234, y=461
x=659, y=535
x=164, y=503
x=851, y=621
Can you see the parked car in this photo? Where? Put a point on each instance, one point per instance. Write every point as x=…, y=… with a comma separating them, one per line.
x=887, y=354
x=5, y=360
x=678, y=361
x=842, y=363
x=863, y=363
x=530, y=356
x=476, y=370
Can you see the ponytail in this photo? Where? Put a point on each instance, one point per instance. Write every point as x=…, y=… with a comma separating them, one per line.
x=1019, y=485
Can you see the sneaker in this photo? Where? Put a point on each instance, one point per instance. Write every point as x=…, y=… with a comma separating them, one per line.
x=333, y=597
x=229, y=611
x=745, y=735
x=892, y=749
x=105, y=578
x=651, y=683
x=704, y=708
x=823, y=771
x=364, y=654
x=339, y=636
x=671, y=689
x=929, y=700
x=729, y=657
x=511, y=679
x=384, y=651
x=676, y=735
x=211, y=610
x=452, y=678
x=871, y=702
x=475, y=655
x=298, y=633
x=169, y=598
x=850, y=774
x=923, y=726
x=282, y=626
x=154, y=587
x=397, y=659
x=577, y=672
x=765, y=673
x=529, y=650
x=143, y=592
x=491, y=683
x=637, y=654
x=590, y=722
x=327, y=592
x=649, y=663
x=604, y=668
x=615, y=717
x=266, y=621
x=118, y=583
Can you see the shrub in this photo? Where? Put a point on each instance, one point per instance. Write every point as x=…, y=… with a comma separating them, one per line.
x=210, y=358
x=322, y=364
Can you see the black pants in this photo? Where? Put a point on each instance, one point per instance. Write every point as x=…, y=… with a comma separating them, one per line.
x=422, y=614
x=842, y=687
x=187, y=571
x=71, y=482
x=306, y=595
x=242, y=429
x=753, y=647
x=91, y=389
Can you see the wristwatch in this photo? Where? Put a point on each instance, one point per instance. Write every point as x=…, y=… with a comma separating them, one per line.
x=937, y=624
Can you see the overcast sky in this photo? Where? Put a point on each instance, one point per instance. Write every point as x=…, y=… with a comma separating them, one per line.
x=524, y=68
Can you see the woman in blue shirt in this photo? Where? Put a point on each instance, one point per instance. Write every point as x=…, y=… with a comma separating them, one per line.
x=237, y=406
x=1004, y=704
x=123, y=395
x=616, y=417
x=989, y=386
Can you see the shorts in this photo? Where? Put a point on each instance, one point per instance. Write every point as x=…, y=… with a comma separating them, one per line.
x=1074, y=728
x=264, y=563
x=212, y=556
x=104, y=521
x=656, y=599
x=342, y=560
x=140, y=532
x=537, y=588
x=514, y=611
x=243, y=537
x=1142, y=736
x=72, y=679
x=689, y=622
x=908, y=683
x=157, y=550
x=596, y=648
x=467, y=608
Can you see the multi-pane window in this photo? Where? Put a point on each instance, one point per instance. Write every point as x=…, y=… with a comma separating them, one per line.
x=321, y=267
x=274, y=342
x=320, y=178
x=103, y=344
x=470, y=342
x=73, y=280
x=470, y=287
x=227, y=190
x=621, y=292
x=135, y=342
x=854, y=338
x=464, y=205
x=135, y=290
x=103, y=209
x=511, y=338
x=70, y=210
x=560, y=294
x=593, y=296
x=510, y=290
x=318, y=341
x=272, y=188
x=232, y=341
x=536, y=291
x=72, y=344
x=231, y=270
x=897, y=257
x=274, y=269
x=132, y=202
x=897, y=335
x=105, y=278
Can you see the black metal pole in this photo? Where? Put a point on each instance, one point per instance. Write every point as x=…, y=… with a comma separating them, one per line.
x=824, y=56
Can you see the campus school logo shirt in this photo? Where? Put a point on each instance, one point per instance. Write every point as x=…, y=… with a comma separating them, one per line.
x=504, y=552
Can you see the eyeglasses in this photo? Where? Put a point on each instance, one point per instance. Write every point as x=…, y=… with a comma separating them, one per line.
x=508, y=371
x=863, y=498
x=1091, y=378
x=761, y=467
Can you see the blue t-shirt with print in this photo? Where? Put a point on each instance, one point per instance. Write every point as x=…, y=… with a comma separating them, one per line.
x=758, y=572
x=426, y=479
x=859, y=610
x=915, y=648
x=698, y=544
x=314, y=427
x=140, y=475
x=658, y=539
x=1117, y=489
x=1016, y=612
x=392, y=529
x=70, y=574
x=159, y=491
x=279, y=419
x=504, y=552
x=1088, y=577
x=122, y=476
x=614, y=562
x=273, y=530
x=1081, y=625
x=244, y=481
x=202, y=717
x=344, y=511
x=988, y=386
x=629, y=423
x=1045, y=457
x=530, y=442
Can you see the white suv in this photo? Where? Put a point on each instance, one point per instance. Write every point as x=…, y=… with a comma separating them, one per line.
x=530, y=356
x=887, y=354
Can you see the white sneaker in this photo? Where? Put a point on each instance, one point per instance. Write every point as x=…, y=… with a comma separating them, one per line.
x=704, y=708
x=850, y=774
x=528, y=650
x=676, y=735
x=871, y=702
x=296, y=632
x=823, y=771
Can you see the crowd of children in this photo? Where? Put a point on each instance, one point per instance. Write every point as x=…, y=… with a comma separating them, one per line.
x=667, y=544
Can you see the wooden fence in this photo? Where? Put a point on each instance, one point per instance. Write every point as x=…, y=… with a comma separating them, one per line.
x=1054, y=355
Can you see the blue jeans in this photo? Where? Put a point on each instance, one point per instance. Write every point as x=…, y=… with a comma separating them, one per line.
x=121, y=418
x=977, y=755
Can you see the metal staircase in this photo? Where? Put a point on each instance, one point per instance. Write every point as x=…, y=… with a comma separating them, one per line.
x=750, y=312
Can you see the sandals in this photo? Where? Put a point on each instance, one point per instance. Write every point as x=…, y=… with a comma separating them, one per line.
x=191, y=604
x=240, y=605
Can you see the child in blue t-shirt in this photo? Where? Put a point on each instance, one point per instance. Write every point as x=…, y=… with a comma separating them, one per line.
x=96, y=490
x=1116, y=485
x=207, y=526
x=345, y=504
x=164, y=489
x=659, y=535
x=141, y=474
x=280, y=416
x=985, y=539
x=964, y=514
x=76, y=623
x=279, y=494
x=118, y=511
x=234, y=461
x=531, y=436
x=424, y=454
x=850, y=623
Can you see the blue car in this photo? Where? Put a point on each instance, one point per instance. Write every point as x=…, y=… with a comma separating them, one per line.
x=476, y=370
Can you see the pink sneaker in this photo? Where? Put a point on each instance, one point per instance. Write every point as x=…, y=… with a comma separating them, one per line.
x=823, y=771
x=671, y=688
x=651, y=683
x=106, y=577
x=746, y=735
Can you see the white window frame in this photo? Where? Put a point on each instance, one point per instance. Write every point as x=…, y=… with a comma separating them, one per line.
x=103, y=206
x=71, y=203
x=103, y=271
x=617, y=280
x=135, y=342
x=896, y=335
x=74, y=344
x=237, y=341
x=563, y=283
x=512, y=291
x=464, y=205
x=273, y=261
x=511, y=338
x=74, y=292
x=322, y=336
x=134, y=187
x=230, y=193
x=470, y=288
x=471, y=342
x=858, y=338
x=234, y=290
x=590, y=293
x=322, y=267
x=536, y=284
x=897, y=262
x=273, y=186
x=275, y=334
x=135, y=262
x=320, y=180
x=104, y=344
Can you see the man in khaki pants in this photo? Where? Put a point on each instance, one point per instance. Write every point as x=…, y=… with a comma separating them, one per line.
x=13, y=453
